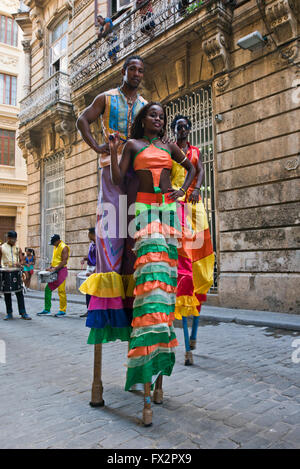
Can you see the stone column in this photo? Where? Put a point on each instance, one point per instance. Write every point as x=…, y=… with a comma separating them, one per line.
x=27, y=71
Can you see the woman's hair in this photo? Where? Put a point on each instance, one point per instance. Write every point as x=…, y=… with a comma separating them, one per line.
x=178, y=118
x=137, y=130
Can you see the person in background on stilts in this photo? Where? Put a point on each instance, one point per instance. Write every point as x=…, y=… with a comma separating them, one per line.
x=91, y=264
x=152, y=341
x=61, y=253
x=195, y=256
x=10, y=257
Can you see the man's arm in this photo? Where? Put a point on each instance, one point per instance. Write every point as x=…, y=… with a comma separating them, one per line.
x=89, y=115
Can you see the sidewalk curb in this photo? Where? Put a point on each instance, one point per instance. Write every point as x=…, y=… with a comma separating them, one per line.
x=214, y=313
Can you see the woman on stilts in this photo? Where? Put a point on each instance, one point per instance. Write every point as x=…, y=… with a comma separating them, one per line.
x=195, y=255
x=151, y=348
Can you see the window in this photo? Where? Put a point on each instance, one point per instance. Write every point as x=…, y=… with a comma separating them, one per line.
x=7, y=147
x=8, y=89
x=117, y=5
x=59, y=48
x=53, y=204
x=8, y=31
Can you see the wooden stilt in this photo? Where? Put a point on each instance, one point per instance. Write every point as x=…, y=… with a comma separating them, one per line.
x=158, y=392
x=147, y=412
x=97, y=388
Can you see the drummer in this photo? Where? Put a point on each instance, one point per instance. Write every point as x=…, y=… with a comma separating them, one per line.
x=60, y=257
x=10, y=257
x=91, y=263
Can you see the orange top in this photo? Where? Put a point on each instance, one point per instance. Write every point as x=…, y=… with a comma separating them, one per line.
x=153, y=159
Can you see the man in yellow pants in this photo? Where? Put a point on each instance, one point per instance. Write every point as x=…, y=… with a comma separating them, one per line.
x=61, y=253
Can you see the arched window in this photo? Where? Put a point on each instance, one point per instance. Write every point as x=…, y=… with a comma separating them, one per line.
x=59, y=48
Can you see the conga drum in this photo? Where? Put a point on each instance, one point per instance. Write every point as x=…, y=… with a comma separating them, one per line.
x=45, y=276
x=10, y=280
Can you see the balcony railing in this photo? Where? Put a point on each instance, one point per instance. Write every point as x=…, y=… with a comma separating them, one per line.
x=55, y=89
x=132, y=32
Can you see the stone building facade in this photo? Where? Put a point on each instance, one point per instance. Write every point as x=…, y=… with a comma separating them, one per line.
x=13, y=176
x=244, y=105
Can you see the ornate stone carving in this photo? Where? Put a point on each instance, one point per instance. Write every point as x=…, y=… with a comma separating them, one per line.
x=292, y=164
x=180, y=72
x=222, y=83
x=282, y=20
x=29, y=144
x=9, y=60
x=66, y=130
x=216, y=50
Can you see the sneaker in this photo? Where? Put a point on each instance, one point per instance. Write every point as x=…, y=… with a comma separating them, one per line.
x=60, y=313
x=25, y=316
x=9, y=316
x=43, y=312
x=84, y=315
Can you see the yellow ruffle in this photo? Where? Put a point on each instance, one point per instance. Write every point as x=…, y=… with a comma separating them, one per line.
x=186, y=306
x=104, y=285
x=129, y=284
x=203, y=274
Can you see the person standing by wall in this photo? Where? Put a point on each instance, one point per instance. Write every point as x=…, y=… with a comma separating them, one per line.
x=29, y=266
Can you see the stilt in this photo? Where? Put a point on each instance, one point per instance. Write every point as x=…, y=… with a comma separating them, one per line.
x=193, y=338
x=97, y=388
x=158, y=392
x=147, y=412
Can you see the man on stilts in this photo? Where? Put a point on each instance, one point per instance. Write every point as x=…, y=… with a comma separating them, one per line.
x=111, y=287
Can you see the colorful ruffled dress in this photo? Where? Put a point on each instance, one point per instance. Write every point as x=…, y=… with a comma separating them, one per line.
x=195, y=255
x=152, y=341
x=111, y=287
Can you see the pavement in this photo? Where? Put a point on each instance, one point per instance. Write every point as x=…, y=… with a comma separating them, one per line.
x=243, y=390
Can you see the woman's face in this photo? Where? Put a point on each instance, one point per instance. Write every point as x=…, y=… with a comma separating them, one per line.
x=154, y=120
x=182, y=129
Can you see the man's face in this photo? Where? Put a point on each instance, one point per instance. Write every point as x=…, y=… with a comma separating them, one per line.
x=56, y=243
x=11, y=241
x=134, y=73
x=92, y=236
x=100, y=20
x=182, y=129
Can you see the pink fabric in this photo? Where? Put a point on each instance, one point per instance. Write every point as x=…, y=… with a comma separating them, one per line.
x=61, y=277
x=105, y=303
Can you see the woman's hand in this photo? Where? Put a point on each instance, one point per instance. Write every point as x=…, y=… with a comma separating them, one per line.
x=176, y=194
x=194, y=197
x=114, y=141
x=103, y=149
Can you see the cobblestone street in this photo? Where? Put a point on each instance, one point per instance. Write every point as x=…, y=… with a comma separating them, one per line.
x=242, y=392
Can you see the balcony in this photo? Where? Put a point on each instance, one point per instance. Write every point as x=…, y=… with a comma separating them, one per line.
x=54, y=90
x=132, y=31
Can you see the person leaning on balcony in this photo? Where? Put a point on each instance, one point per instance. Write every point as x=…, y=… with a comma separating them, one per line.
x=60, y=257
x=111, y=287
x=106, y=32
x=146, y=11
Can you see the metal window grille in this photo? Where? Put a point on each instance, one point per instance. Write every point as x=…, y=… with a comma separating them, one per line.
x=53, y=204
x=197, y=106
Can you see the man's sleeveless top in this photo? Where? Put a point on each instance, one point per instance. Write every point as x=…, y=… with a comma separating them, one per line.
x=56, y=257
x=10, y=255
x=118, y=117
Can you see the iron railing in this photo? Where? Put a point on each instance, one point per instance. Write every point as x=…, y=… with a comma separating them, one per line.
x=55, y=89
x=129, y=34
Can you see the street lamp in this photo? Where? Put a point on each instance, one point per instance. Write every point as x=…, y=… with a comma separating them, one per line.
x=252, y=41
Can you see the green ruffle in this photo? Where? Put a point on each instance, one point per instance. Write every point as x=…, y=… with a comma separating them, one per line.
x=162, y=363
x=156, y=267
x=171, y=250
x=108, y=334
x=162, y=214
x=153, y=308
x=151, y=338
x=150, y=297
x=161, y=276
